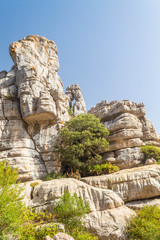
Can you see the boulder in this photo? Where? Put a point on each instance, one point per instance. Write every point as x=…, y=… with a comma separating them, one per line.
x=130, y=184
x=62, y=236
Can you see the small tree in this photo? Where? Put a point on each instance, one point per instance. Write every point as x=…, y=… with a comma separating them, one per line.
x=70, y=210
x=11, y=208
x=83, y=140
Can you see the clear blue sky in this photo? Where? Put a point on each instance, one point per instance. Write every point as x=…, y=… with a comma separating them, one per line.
x=111, y=48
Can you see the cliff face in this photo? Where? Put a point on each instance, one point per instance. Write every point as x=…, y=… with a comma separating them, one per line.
x=33, y=106
x=129, y=129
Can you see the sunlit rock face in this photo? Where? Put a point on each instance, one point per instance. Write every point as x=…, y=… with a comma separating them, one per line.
x=74, y=93
x=129, y=129
x=33, y=106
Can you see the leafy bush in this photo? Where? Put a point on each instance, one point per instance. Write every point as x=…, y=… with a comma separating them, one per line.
x=37, y=225
x=100, y=169
x=81, y=234
x=83, y=140
x=53, y=175
x=70, y=211
x=145, y=226
x=151, y=152
x=32, y=232
x=11, y=207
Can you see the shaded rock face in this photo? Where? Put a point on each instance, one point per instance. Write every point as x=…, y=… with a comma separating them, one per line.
x=129, y=129
x=108, y=216
x=33, y=107
x=74, y=93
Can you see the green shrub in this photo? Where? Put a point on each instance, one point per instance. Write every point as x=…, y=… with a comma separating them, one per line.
x=100, y=169
x=32, y=232
x=83, y=140
x=70, y=210
x=81, y=234
x=37, y=225
x=53, y=175
x=151, y=152
x=146, y=225
x=11, y=207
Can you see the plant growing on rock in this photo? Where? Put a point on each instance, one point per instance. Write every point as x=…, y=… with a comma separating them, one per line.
x=146, y=225
x=151, y=152
x=83, y=140
x=70, y=210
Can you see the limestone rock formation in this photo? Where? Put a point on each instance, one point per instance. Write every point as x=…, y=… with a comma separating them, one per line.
x=74, y=93
x=33, y=106
x=129, y=129
x=108, y=215
x=130, y=184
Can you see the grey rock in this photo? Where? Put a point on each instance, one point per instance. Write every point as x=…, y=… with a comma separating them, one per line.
x=129, y=129
x=137, y=205
x=3, y=74
x=48, y=238
x=130, y=184
x=62, y=236
x=74, y=93
x=150, y=161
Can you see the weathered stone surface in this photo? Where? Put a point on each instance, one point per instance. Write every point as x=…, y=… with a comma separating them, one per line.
x=3, y=74
x=62, y=236
x=130, y=184
x=48, y=238
x=33, y=106
x=150, y=161
x=129, y=129
x=136, y=205
x=74, y=93
x=108, y=215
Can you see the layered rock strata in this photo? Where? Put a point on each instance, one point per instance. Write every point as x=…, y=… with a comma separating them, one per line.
x=108, y=216
x=129, y=129
x=33, y=106
x=130, y=184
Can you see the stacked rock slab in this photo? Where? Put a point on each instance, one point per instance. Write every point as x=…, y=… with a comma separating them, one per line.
x=129, y=129
x=32, y=107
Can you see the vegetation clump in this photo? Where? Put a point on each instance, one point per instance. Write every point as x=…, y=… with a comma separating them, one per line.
x=70, y=211
x=151, y=152
x=83, y=140
x=11, y=207
x=146, y=225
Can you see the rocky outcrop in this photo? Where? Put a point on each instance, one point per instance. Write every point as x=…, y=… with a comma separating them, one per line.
x=74, y=93
x=129, y=129
x=33, y=107
x=130, y=184
x=108, y=215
